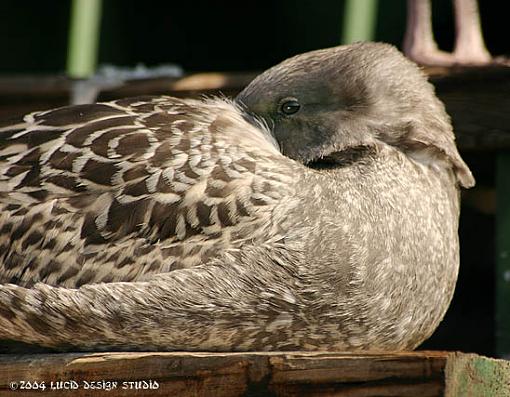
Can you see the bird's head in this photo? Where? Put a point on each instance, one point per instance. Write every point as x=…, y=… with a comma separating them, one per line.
x=334, y=101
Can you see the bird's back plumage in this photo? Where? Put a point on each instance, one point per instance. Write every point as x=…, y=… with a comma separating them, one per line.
x=122, y=190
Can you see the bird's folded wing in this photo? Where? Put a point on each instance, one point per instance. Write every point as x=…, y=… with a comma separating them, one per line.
x=240, y=301
x=121, y=190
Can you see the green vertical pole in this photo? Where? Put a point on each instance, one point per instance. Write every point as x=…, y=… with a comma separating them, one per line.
x=359, y=20
x=83, y=38
x=503, y=255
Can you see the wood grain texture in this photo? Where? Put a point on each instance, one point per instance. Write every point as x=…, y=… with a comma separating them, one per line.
x=262, y=374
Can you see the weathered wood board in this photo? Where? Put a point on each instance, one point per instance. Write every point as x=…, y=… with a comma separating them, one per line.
x=421, y=374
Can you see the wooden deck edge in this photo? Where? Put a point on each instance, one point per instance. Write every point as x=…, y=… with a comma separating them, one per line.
x=236, y=374
x=473, y=375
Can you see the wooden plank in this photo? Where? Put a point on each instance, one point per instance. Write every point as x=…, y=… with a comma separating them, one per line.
x=399, y=374
x=257, y=374
x=20, y=95
x=472, y=375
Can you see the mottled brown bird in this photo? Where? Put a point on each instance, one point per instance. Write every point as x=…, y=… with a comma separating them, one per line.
x=317, y=211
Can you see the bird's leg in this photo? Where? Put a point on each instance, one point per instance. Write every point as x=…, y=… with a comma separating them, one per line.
x=469, y=44
x=228, y=305
x=419, y=44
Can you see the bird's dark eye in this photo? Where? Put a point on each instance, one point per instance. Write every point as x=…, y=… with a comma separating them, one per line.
x=290, y=106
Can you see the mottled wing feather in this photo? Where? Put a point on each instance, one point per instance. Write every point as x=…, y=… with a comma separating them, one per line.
x=122, y=190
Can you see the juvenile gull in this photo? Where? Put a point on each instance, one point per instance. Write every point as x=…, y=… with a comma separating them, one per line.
x=319, y=210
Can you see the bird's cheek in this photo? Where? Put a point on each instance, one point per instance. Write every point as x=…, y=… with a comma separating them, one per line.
x=290, y=139
x=351, y=133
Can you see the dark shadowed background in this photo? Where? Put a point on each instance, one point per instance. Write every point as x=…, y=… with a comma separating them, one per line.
x=203, y=35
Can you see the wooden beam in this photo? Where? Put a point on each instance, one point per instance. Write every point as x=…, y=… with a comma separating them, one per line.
x=421, y=374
